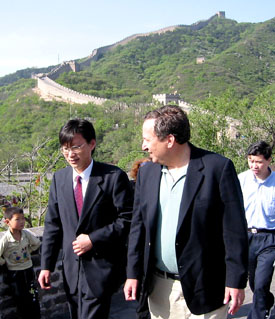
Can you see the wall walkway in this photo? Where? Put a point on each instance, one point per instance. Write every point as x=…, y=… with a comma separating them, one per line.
x=51, y=90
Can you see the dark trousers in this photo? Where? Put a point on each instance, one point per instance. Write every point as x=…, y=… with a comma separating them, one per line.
x=84, y=305
x=261, y=260
x=24, y=290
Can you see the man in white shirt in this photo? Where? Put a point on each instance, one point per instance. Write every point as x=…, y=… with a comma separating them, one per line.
x=258, y=187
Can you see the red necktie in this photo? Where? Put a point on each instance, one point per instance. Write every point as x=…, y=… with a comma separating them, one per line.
x=78, y=195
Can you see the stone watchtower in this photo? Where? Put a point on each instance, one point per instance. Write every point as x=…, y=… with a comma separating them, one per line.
x=221, y=14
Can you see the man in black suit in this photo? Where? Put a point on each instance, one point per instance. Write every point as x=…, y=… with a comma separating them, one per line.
x=188, y=247
x=88, y=216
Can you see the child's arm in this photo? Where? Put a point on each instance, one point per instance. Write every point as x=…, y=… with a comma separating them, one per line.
x=2, y=249
x=34, y=242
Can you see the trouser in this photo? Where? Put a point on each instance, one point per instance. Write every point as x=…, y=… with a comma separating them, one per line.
x=84, y=305
x=167, y=302
x=24, y=291
x=261, y=259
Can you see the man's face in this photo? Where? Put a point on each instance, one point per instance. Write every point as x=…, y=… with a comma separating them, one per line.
x=157, y=149
x=78, y=153
x=259, y=165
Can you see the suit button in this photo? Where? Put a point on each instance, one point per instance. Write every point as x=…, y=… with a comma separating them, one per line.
x=149, y=244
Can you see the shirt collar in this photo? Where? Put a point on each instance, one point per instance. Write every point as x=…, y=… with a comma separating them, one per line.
x=12, y=239
x=261, y=181
x=183, y=170
x=85, y=175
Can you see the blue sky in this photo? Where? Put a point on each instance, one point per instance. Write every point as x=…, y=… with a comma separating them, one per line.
x=36, y=33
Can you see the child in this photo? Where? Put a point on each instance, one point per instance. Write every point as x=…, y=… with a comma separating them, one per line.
x=15, y=251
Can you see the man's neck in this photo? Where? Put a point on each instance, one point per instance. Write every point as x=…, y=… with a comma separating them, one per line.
x=264, y=175
x=180, y=158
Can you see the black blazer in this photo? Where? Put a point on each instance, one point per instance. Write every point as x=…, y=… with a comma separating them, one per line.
x=105, y=217
x=211, y=241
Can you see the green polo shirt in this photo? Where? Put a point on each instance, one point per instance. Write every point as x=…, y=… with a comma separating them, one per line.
x=170, y=197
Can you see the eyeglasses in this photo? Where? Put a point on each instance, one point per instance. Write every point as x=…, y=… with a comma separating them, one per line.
x=74, y=149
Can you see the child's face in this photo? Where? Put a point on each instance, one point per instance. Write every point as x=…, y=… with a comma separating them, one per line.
x=17, y=222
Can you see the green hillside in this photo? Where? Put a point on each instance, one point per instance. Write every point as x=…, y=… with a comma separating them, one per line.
x=238, y=56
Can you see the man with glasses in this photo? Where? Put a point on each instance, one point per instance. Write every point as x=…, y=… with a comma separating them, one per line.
x=88, y=217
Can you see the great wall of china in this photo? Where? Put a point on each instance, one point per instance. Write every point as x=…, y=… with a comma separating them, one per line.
x=48, y=89
x=51, y=90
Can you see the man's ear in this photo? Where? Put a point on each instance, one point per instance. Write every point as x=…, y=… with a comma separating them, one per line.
x=170, y=140
x=93, y=144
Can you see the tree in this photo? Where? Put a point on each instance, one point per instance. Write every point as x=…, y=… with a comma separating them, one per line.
x=32, y=192
x=259, y=122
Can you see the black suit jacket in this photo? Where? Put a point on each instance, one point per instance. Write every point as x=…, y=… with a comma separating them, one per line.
x=105, y=217
x=211, y=240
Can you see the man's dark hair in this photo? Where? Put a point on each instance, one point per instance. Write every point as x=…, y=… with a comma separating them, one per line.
x=170, y=119
x=260, y=148
x=10, y=211
x=76, y=126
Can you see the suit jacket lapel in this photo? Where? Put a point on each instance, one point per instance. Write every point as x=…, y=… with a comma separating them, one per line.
x=154, y=175
x=193, y=180
x=69, y=195
x=92, y=192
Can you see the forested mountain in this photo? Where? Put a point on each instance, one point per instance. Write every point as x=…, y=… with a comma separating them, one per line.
x=238, y=56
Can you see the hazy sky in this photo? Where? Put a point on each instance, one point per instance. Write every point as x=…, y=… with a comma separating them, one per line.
x=36, y=33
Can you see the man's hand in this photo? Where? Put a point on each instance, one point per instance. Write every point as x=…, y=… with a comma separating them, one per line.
x=44, y=279
x=130, y=289
x=82, y=244
x=237, y=298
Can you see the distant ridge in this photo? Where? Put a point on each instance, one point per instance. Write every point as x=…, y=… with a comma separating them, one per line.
x=97, y=53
